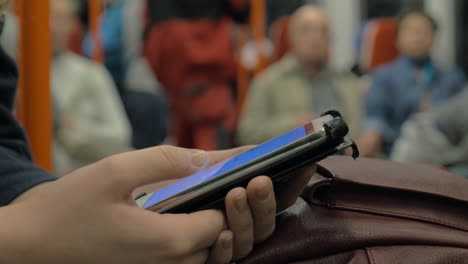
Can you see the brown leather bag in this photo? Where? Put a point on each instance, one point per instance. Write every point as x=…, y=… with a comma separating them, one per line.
x=373, y=211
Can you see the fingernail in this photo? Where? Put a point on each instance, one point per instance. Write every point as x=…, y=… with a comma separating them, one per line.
x=200, y=160
x=241, y=205
x=262, y=193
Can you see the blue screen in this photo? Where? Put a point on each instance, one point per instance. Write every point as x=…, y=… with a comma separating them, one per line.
x=227, y=165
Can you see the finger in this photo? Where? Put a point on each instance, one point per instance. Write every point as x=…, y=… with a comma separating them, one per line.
x=191, y=232
x=240, y=222
x=287, y=195
x=263, y=205
x=135, y=169
x=196, y=258
x=221, y=252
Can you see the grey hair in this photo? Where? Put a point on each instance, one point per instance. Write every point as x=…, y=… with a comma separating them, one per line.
x=300, y=12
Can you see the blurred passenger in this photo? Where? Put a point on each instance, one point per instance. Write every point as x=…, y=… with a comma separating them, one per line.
x=122, y=30
x=90, y=120
x=299, y=87
x=112, y=40
x=189, y=46
x=439, y=137
x=10, y=34
x=410, y=84
x=144, y=98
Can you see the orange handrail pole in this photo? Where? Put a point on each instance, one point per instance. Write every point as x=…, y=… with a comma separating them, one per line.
x=34, y=104
x=243, y=74
x=258, y=23
x=95, y=10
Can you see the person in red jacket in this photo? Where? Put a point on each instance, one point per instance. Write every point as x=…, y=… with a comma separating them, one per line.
x=189, y=45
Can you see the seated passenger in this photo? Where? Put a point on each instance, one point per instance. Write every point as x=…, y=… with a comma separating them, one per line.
x=410, y=84
x=90, y=120
x=300, y=86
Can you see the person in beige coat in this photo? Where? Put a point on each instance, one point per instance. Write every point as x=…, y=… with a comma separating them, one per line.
x=300, y=87
x=90, y=121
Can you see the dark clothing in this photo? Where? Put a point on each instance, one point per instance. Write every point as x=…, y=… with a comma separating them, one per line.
x=148, y=115
x=17, y=172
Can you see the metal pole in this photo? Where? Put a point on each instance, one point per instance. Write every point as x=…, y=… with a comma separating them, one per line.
x=95, y=11
x=258, y=23
x=34, y=103
x=243, y=74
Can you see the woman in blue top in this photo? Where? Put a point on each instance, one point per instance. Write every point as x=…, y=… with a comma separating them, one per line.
x=410, y=84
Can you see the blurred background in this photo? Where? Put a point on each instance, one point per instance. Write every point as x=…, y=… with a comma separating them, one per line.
x=101, y=77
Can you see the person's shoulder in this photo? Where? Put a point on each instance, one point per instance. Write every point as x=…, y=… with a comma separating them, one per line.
x=85, y=64
x=76, y=60
x=277, y=70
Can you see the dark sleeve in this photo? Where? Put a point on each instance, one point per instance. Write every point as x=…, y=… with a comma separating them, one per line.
x=17, y=171
x=17, y=175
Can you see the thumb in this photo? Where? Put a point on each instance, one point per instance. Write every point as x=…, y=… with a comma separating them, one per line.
x=134, y=169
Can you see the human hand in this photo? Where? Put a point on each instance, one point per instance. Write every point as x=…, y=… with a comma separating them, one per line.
x=251, y=211
x=90, y=217
x=88, y=222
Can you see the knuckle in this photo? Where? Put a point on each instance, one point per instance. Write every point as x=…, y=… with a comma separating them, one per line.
x=168, y=153
x=112, y=166
x=112, y=163
x=175, y=158
x=178, y=247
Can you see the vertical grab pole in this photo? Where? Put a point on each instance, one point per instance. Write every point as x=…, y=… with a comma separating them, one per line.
x=242, y=73
x=95, y=10
x=258, y=23
x=35, y=102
